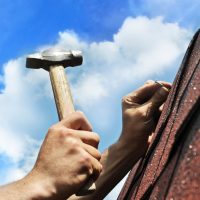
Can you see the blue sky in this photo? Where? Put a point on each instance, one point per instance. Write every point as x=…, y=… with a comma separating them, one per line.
x=124, y=43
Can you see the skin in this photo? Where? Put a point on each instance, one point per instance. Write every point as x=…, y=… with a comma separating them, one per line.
x=69, y=154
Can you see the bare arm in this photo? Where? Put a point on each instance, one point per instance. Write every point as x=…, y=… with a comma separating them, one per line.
x=116, y=162
x=68, y=156
x=139, y=120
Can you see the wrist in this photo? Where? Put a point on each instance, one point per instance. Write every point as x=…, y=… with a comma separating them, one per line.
x=132, y=148
x=36, y=186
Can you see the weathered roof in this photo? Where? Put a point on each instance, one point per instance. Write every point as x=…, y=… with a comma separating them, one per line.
x=171, y=167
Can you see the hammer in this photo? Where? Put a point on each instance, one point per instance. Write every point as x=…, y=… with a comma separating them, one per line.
x=55, y=60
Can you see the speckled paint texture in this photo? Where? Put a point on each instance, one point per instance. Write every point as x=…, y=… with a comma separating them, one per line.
x=171, y=166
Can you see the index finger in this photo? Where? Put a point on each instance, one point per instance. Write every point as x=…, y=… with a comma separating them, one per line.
x=147, y=91
x=76, y=121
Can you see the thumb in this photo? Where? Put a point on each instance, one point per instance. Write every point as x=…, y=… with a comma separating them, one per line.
x=152, y=106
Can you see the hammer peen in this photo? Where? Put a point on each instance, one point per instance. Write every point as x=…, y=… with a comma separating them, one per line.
x=55, y=60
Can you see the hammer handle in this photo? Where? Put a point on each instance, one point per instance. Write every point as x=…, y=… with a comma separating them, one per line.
x=61, y=91
x=65, y=107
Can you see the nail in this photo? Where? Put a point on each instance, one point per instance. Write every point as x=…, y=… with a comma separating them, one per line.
x=162, y=85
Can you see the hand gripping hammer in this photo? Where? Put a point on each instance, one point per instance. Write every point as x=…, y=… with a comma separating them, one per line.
x=55, y=60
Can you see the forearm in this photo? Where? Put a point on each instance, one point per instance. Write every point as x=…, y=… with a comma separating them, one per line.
x=16, y=191
x=27, y=188
x=117, y=160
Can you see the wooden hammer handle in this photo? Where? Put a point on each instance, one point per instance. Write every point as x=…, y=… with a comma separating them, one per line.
x=65, y=107
x=61, y=91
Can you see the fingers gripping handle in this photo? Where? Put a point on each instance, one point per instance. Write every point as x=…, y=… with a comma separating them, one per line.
x=65, y=107
x=88, y=188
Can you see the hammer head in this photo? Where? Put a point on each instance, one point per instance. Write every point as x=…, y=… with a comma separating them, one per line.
x=54, y=56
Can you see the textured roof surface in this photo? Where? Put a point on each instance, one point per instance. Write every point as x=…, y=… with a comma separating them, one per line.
x=171, y=167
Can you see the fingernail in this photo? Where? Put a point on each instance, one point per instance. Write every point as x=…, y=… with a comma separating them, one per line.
x=163, y=91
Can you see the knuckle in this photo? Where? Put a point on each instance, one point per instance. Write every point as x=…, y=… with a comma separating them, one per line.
x=125, y=99
x=80, y=114
x=130, y=99
x=96, y=137
x=141, y=114
x=100, y=168
x=85, y=159
x=90, y=171
x=52, y=129
x=149, y=82
x=65, y=132
x=98, y=157
x=81, y=117
x=97, y=170
x=73, y=146
x=85, y=163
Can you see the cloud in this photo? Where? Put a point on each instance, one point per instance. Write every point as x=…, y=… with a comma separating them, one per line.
x=21, y=121
x=172, y=10
x=92, y=86
x=21, y=168
x=141, y=48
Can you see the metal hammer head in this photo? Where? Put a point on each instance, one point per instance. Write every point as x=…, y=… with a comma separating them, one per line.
x=54, y=56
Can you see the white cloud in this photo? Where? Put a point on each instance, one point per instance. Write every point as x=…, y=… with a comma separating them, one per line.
x=11, y=145
x=91, y=88
x=142, y=47
x=20, y=170
x=19, y=118
x=184, y=12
